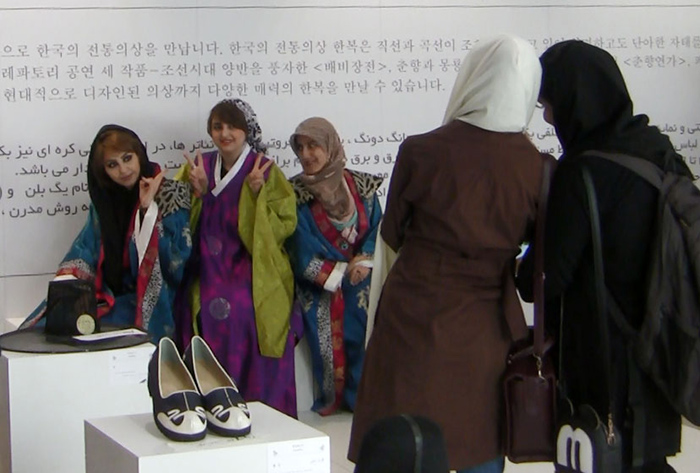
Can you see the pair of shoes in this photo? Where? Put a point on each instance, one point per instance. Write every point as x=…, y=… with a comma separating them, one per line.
x=195, y=393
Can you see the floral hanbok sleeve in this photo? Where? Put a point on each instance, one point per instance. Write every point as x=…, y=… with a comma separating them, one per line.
x=317, y=256
x=158, y=258
x=175, y=244
x=83, y=256
x=313, y=258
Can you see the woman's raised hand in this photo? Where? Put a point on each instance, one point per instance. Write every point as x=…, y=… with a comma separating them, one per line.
x=256, y=178
x=148, y=186
x=198, y=176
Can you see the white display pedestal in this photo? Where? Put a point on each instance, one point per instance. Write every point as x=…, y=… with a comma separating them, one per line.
x=44, y=400
x=277, y=444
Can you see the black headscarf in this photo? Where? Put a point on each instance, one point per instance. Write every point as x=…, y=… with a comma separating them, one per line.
x=403, y=444
x=115, y=206
x=593, y=110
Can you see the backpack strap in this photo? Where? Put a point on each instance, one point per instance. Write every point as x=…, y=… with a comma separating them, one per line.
x=653, y=175
x=645, y=169
x=619, y=317
x=600, y=292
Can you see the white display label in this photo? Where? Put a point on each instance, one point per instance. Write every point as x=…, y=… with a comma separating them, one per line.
x=300, y=456
x=129, y=366
x=96, y=337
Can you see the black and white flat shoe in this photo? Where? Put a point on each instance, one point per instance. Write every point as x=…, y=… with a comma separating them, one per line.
x=227, y=413
x=177, y=405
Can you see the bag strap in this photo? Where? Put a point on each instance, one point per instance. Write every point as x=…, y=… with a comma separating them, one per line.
x=600, y=291
x=645, y=169
x=654, y=176
x=538, y=281
x=518, y=324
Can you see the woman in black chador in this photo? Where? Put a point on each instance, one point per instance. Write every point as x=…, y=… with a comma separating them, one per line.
x=585, y=98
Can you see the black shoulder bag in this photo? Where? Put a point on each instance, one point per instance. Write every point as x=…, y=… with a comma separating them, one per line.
x=585, y=441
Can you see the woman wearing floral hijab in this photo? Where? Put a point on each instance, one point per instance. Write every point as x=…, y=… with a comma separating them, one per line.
x=332, y=248
x=240, y=285
x=460, y=203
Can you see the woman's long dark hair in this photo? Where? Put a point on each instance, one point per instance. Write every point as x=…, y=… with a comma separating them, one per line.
x=114, y=203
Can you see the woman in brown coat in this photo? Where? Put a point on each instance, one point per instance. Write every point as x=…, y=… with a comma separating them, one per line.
x=461, y=200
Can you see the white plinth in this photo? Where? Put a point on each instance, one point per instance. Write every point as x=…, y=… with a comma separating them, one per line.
x=44, y=400
x=277, y=444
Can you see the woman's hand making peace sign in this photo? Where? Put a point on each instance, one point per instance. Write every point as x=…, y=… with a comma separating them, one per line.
x=148, y=186
x=256, y=178
x=198, y=176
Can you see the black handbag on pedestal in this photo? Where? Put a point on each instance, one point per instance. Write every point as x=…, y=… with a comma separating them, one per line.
x=71, y=308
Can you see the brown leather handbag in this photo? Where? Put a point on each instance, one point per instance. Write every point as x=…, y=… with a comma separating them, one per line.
x=529, y=382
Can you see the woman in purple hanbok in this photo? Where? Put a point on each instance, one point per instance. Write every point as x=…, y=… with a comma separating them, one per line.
x=239, y=289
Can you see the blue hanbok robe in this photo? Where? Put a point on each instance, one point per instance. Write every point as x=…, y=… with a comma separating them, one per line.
x=150, y=284
x=335, y=315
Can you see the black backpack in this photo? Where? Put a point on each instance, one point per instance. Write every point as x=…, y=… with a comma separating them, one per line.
x=667, y=345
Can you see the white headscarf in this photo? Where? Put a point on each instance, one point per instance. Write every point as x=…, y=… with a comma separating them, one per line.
x=497, y=85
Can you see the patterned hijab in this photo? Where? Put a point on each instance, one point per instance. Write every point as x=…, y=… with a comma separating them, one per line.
x=254, y=135
x=592, y=109
x=497, y=86
x=240, y=115
x=327, y=185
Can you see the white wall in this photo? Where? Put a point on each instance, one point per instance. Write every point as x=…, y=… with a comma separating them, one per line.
x=44, y=140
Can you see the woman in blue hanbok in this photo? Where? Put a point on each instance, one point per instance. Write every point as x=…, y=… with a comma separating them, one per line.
x=331, y=251
x=136, y=240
